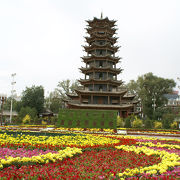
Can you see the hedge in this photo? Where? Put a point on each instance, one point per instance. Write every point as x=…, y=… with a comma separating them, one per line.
x=84, y=118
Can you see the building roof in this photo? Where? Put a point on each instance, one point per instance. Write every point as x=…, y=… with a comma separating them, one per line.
x=100, y=81
x=106, y=57
x=101, y=69
x=100, y=106
x=171, y=96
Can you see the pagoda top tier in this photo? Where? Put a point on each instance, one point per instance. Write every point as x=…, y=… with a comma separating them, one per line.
x=102, y=20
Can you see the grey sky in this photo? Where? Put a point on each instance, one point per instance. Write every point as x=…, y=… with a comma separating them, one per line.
x=42, y=40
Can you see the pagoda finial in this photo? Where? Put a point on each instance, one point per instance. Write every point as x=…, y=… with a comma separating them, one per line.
x=101, y=15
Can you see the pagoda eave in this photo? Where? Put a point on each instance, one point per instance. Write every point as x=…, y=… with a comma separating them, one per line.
x=91, y=48
x=115, y=93
x=100, y=81
x=99, y=106
x=102, y=69
x=107, y=57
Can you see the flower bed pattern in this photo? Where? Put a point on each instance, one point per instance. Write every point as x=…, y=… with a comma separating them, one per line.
x=88, y=157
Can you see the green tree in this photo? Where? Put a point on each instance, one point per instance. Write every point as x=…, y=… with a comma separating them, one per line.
x=34, y=97
x=16, y=104
x=27, y=110
x=150, y=90
x=65, y=87
x=127, y=121
x=53, y=102
x=167, y=120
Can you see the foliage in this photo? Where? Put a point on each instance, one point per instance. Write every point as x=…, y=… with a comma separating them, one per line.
x=127, y=121
x=167, y=119
x=53, y=102
x=16, y=105
x=150, y=90
x=65, y=87
x=137, y=123
x=120, y=122
x=26, y=119
x=87, y=118
x=148, y=123
x=27, y=110
x=157, y=125
x=174, y=125
x=34, y=97
x=44, y=122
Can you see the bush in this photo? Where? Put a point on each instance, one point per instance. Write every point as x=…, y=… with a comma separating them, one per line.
x=26, y=119
x=148, y=123
x=167, y=119
x=72, y=118
x=137, y=123
x=27, y=110
x=174, y=125
x=119, y=121
x=157, y=125
x=127, y=122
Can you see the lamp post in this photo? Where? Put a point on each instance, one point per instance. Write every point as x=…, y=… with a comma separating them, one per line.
x=12, y=94
x=3, y=98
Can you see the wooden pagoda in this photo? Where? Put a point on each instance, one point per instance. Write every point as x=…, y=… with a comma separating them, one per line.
x=100, y=88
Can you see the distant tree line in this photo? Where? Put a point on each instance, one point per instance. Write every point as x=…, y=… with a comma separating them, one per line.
x=148, y=88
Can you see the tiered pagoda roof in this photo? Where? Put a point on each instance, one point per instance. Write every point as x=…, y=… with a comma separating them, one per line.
x=100, y=88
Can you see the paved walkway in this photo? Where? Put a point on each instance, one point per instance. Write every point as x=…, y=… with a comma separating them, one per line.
x=159, y=137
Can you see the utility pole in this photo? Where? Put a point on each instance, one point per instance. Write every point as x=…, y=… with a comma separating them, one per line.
x=12, y=94
x=3, y=98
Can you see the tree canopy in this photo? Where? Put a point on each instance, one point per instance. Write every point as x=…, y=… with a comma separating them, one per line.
x=65, y=87
x=150, y=90
x=33, y=97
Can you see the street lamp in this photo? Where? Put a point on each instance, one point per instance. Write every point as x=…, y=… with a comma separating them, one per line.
x=3, y=98
x=12, y=94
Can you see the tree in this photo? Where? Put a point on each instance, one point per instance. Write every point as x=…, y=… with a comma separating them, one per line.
x=53, y=102
x=27, y=110
x=150, y=90
x=34, y=97
x=16, y=104
x=65, y=87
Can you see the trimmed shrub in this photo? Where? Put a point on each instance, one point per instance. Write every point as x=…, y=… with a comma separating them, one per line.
x=167, y=119
x=84, y=118
x=26, y=119
x=174, y=125
x=127, y=122
x=148, y=123
x=137, y=123
x=157, y=125
x=120, y=122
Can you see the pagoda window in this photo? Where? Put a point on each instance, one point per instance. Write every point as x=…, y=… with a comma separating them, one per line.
x=100, y=75
x=101, y=52
x=101, y=32
x=100, y=64
x=100, y=88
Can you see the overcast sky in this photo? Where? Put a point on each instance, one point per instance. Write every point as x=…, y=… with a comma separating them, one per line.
x=41, y=41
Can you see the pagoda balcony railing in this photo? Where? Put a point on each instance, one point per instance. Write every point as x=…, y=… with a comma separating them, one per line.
x=102, y=78
x=100, y=55
x=104, y=66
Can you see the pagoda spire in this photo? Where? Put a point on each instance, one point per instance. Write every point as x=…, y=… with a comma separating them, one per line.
x=101, y=15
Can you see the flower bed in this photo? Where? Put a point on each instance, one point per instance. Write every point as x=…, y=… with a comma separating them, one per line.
x=88, y=156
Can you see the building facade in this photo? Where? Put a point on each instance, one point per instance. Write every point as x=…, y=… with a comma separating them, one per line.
x=100, y=88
